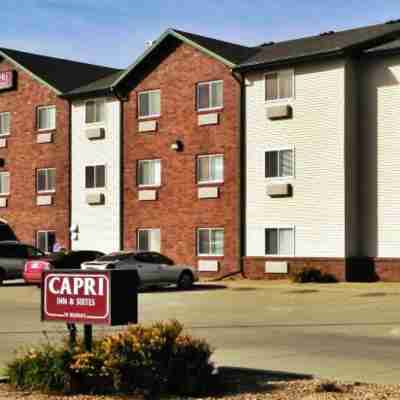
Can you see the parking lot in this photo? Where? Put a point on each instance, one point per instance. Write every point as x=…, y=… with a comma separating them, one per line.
x=345, y=331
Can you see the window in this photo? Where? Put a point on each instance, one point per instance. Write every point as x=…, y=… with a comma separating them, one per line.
x=46, y=118
x=279, y=241
x=210, y=169
x=149, y=104
x=94, y=111
x=149, y=240
x=210, y=242
x=5, y=122
x=210, y=95
x=95, y=176
x=149, y=173
x=279, y=85
x=4, y=183
x=45, y=240
x=279, y=163
x=46, y=180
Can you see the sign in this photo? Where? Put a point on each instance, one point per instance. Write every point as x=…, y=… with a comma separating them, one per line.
x=90, y=297
x=6, y=80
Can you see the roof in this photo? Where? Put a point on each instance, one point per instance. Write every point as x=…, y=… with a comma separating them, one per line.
x=228, y=53
x=59, y=74
x=330, y=43
x=100, y=86
x=391, y=46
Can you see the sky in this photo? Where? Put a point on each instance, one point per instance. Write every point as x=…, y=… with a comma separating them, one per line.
x=114, y=32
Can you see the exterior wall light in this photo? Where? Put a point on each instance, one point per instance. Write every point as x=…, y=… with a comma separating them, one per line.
x=177, y=146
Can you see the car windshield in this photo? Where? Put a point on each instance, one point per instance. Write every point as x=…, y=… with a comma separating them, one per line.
x=114, y=257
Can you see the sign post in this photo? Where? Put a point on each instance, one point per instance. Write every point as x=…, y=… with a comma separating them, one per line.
x=89, y=298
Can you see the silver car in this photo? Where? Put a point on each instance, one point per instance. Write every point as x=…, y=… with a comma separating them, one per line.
x=153, y=268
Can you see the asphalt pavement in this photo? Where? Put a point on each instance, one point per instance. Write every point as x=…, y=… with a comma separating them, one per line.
x=349, y=332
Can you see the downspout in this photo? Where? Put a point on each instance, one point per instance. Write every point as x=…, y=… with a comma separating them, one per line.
x=121, y=99
x=69, y=240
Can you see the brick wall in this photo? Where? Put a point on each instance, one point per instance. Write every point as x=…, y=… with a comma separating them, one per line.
x=254, y=267
x=177, y=211
x=23, y=156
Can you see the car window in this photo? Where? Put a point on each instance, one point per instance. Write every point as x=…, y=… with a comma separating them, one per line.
x=33, y=252
x=6, y=233
x=115, y=257
x=145, y=257
x=160, y=259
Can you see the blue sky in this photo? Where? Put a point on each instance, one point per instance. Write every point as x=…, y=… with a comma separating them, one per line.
x=113, y=32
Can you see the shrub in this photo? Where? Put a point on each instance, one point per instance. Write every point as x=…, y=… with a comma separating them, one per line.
x=41, y=368
x=308, y=275
x=152, y=360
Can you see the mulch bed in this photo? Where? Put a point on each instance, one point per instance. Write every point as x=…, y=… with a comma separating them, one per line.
x=274, y=390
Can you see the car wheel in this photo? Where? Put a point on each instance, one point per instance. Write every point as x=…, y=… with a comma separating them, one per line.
x=2, y=277
x=185, y=281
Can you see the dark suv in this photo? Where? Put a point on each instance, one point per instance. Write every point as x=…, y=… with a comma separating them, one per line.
x=13, y=256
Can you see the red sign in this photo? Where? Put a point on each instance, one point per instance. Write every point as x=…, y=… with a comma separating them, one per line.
x=80, y=298
x=6, y=80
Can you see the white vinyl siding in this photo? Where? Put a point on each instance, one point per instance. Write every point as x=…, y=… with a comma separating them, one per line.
x=95, y=176
x=45, y=240
x=5, y=123
x=210, y=169
x=102, y=223
x=46, y=118
x=279, y=85
x=149, y=240
x=210, y=95
x=149, y=104
x=210, y=242
x=380, y=162
x=279, y=163
x=4, y=183
x=95, y=111
x=279, y=241
x=149, y=173
x=316, y=134
x=46, y=180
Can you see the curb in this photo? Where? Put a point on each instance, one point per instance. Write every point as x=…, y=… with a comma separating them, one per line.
x=4, y=379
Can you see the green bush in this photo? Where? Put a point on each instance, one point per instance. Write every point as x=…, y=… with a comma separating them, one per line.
x=309, y=275
x=41, y=368
x=151, y=360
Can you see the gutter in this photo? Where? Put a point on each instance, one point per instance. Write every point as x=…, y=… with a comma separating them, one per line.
x=286, y=61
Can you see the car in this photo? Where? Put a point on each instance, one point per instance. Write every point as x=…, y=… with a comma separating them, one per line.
x=6, y=233
x=13, y=257
x=62, y=260
x=154, y=269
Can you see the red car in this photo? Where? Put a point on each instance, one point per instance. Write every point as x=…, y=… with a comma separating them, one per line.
x=71, y=260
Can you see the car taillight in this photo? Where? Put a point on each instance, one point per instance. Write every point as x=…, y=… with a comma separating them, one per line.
x=37, y=266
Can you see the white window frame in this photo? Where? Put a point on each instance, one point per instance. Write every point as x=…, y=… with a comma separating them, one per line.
x=278, y=227
x=198, y=242
x=209, y=83
x=105, y=177
x=138, y=104
x=198, y=169
x=9, y=128
x=37, y=180
x=279, y=149
x=5, y=173
x=96, y=101
x=150, y=230
x=47, y=239
x=141, y=185
x=278, y=72
x=51, y=107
